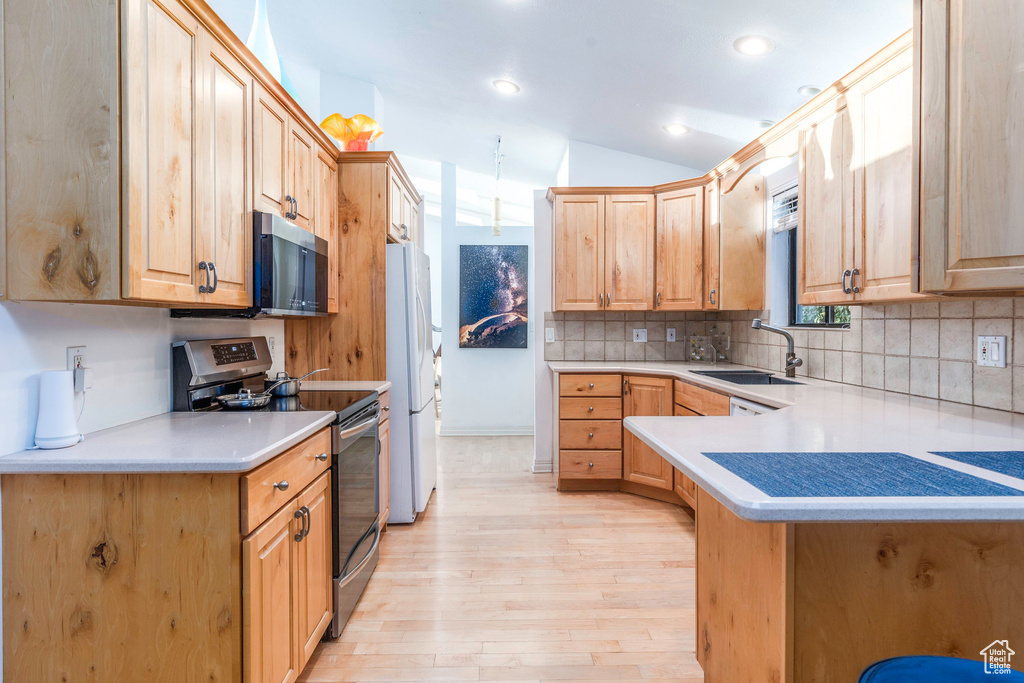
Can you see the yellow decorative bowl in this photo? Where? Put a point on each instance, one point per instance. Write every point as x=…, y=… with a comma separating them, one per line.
x=354, y=134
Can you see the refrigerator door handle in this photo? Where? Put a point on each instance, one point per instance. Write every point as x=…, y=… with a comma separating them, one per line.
x=423, y=324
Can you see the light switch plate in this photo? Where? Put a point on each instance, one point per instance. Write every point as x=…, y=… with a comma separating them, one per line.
x=549, y=335
x=992, y=351
x=670, y=334
x=640, y=334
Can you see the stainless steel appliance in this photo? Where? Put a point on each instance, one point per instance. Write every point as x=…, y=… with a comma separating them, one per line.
x=206, y=369
x=289, y=273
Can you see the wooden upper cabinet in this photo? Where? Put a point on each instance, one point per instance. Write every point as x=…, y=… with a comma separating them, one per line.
x=640, y=463
x=741, y=243
x=970, y=153
x=882, y=117
x=679, y=251
x=301, y=156
x=314, y=595
x=825, y=234
x=270, y=152
x=394, y=206
x=270, y=628
x=579, y=252
x=629, y=253
x=325, y=219
x=224, y=235
x=162, y=102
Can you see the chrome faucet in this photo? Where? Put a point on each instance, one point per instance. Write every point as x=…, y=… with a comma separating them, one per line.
x=792, y=362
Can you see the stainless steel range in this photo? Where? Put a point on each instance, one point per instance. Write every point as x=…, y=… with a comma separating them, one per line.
x=205, y=370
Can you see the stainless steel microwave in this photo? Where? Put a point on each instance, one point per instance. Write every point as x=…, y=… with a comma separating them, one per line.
x=289, y=273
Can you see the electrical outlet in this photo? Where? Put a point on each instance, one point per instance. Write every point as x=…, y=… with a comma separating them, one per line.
x=992, y=352
x=76, y=357
x=640, y=335
x=272, y=342
x=549, y=335
x=670, y=334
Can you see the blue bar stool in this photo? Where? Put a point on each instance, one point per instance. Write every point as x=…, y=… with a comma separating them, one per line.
x=931, y=669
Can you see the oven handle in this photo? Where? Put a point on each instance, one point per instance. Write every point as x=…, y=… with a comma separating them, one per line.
x=362, y=426
x=376, y=542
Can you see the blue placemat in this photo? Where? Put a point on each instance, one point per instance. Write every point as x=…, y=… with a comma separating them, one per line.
x=1010, y=463
x=829, y=475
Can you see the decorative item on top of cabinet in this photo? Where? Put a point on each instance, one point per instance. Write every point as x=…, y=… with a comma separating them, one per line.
x=679, y=251
x=640, y=464
x=742, y=237
x=969, y=154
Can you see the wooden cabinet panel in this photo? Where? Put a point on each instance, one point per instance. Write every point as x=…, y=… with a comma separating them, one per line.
x=162, y=75
x=579, y=252
x=270, y=152
x=971, y=152
x=629, y=253
x=700, y=400
x=301, y=160
x=679, y=251
x=325, y=220
x=224, y=235
x=269, y=579
x=269, y=486
x=394, y=206
x=826, y=229
x=589, y=464
x=640, y=463
x=590, y=409
x=741, y=250
x=315, y=567
x=685, y=488
x=384, y=493
x=590, y=385
x=590, y=434
x=408, y=227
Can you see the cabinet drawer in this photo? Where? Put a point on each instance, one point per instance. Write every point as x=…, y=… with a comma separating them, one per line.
x=683, y=411
x=385, y=405
x=590, y=385
x=590, y=409
x=590, y=464
x=298, y=466
x=590, y=434
x=700, y=400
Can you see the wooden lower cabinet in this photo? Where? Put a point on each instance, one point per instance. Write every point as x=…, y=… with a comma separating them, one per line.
x=685, y=488
x=315, y=594
x=640, y=463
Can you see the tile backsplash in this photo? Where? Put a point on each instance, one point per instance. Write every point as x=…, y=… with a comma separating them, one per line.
x=925, y=349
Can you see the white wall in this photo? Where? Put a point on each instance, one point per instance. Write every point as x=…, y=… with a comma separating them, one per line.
x=129, y=350
x=591, y=165
x=543, y=267
x=485, y=391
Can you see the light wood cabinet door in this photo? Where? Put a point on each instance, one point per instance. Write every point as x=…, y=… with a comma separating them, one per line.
x=224, y=235
x=270, y=152
x=971, y=150
x=741, y=244
x=415, y=230
x=384, y=494
x=395, y=192
x=640, y=464
x=161, y=101
x=629, y=253
x=408, y=227
x=881, y=116
x=826, y=229
x=270, y=629
x=314, y=594
x=325, y=222
x=301, y=160
x=679, y=251
x=685, y=488
x=579, y=252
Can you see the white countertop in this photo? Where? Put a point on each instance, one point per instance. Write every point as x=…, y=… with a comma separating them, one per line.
x=823, y=417
x=367, y=385
x=219, y=441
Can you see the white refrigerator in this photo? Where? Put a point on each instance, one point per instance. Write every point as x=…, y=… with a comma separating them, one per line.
x=410, y=368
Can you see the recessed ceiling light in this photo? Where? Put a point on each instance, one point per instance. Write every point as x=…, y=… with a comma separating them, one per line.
x=755, y=46
x=506, y=87
x=676, y=128
x=808, y=90
x=765, y=124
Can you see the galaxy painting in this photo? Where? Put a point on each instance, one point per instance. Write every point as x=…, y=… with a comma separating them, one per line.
x=493, y=296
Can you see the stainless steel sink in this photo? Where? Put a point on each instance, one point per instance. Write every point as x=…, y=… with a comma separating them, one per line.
x=745, y=376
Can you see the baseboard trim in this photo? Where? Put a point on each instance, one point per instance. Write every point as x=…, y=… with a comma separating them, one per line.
x=543, y=467
x=492, y=431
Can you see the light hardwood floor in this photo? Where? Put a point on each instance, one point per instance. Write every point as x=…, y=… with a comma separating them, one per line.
x=504, y=579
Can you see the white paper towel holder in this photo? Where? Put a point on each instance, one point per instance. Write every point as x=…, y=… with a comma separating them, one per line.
x=57, y=425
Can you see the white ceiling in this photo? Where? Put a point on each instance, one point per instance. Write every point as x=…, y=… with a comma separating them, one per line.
x=607, y=72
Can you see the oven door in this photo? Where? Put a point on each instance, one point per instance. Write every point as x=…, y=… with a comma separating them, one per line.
x=356, y=504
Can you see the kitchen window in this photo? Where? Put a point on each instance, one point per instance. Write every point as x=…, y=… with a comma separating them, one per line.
x=785, y=208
